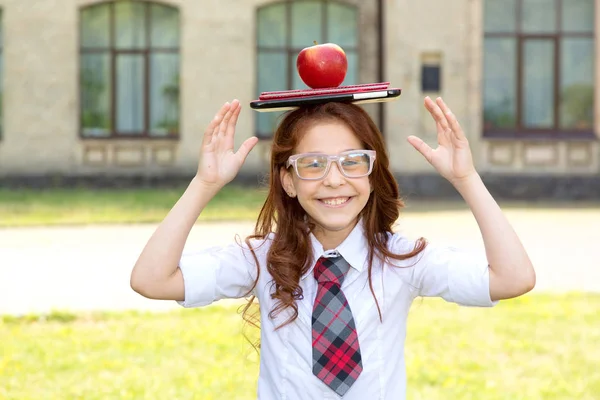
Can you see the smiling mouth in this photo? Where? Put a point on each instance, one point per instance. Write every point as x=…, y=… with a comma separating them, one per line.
x=335, y=202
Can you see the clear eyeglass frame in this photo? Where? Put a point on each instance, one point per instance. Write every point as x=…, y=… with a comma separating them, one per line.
x=293, y=161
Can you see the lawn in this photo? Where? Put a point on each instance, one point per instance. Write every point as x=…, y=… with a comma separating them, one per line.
x=59, y=206
x=536, y=347
x=28, y=207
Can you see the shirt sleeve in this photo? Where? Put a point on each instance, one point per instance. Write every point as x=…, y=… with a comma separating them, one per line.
x=215, y=273
x=458, y=276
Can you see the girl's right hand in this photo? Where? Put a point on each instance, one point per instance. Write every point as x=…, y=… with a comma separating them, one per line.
x=218, y=163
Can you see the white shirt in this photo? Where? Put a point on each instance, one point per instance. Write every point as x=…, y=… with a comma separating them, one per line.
x=286, y=355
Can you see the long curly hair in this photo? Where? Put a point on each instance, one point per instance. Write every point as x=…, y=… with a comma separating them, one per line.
x=290, y=254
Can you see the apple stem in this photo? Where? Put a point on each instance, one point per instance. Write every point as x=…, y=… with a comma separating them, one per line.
x=315, y=42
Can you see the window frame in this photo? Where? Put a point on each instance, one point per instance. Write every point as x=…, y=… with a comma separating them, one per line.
x=292, y=52
x=520, y=37
x=113, y=51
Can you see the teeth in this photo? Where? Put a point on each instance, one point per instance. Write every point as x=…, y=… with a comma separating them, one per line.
x=335, y=202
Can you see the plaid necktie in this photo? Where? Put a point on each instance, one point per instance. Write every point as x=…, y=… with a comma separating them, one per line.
x=336, y=353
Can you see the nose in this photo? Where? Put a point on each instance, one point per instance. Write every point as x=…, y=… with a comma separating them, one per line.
x=334, y=177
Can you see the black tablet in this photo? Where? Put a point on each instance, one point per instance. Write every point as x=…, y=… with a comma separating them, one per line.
x=362, y=97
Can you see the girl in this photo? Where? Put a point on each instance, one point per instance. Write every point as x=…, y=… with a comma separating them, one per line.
x=333, y=281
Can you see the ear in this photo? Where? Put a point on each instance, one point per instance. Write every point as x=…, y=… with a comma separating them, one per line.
x=287, y=181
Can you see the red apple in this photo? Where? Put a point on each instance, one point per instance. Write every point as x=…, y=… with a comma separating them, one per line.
x=322, y=65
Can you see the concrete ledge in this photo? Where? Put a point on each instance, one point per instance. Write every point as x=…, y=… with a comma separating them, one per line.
x=506, y=187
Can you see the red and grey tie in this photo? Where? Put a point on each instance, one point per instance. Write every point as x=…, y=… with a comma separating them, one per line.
x=336, y=352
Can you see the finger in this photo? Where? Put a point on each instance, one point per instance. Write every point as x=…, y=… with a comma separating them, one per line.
x=245, y=148
x=443, y=134
x=421, y=147
x=225, y=121
x=214, y=125
x=452, y=120
x=235, y=108
x=437, y=113
x=219, y=119
x=439, y=127
x=208, y=133
x=223, y=143
x=230, y=133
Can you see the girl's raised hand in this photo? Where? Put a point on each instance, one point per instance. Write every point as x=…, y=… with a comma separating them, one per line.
x=452, y=158
x=219, y=164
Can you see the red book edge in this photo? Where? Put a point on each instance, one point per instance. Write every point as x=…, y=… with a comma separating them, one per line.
x=316, y=92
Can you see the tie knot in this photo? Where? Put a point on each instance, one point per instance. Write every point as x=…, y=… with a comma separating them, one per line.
x=331, y=269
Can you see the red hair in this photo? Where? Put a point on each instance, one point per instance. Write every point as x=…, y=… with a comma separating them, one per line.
x=290, y=254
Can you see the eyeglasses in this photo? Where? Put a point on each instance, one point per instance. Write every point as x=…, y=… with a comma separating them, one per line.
x=315, y=166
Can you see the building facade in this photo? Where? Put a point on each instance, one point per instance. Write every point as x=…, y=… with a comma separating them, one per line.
x=125, y=88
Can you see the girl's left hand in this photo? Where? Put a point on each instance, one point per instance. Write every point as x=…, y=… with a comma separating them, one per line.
x=452, y=158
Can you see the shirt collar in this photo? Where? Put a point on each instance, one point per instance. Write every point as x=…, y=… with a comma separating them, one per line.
x=354, y=249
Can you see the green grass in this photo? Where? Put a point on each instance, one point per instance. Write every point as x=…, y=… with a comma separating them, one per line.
x=28, y=207
x=536, y=347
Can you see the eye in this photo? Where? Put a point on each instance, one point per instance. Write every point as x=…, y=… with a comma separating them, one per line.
x=312, y=162
x=350, y=162
x=355, y=159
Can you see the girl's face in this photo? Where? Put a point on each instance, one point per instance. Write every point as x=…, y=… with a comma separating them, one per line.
x=334, y=201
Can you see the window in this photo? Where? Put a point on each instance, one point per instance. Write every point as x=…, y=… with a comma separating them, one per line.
x=538, y=67
x=129, y=70
x=430, y=78
x=284, y=29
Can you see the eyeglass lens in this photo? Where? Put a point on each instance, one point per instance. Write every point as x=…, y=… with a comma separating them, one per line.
x=314, y=166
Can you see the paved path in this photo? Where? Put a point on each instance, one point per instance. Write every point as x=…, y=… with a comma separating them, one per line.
x=87, y=268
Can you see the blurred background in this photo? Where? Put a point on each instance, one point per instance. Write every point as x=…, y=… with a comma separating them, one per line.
x=125, y=88
x=103, y=105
